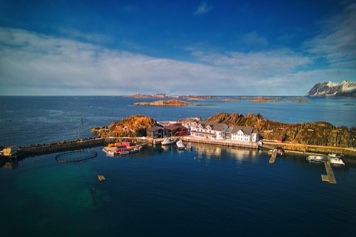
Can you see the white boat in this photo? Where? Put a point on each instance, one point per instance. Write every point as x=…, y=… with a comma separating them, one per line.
x=336, y=161
x=135, y=149
x=168, y=141
x=188, y=146
x=180, y=145
x=315, y=158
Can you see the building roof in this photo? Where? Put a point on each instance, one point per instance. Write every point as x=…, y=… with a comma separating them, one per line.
x=214, y=126
x=245, y=130
x=173, y=127
x=155, y=128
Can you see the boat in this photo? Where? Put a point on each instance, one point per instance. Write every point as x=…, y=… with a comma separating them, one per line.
x=109, y=151
x=188, y=146
x=333, y=155
x=168, y=141
x=180, y=145
x=121, y=148
x=279, y=150
x=135, y=149
x=335, y=159
x=315, y=158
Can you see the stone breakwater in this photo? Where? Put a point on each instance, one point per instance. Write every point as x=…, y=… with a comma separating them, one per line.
x=40, y=149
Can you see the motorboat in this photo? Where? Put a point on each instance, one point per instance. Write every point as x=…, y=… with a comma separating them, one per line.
x=315, y=158
x=335, y=159
x=180, y=145
x=168, y=141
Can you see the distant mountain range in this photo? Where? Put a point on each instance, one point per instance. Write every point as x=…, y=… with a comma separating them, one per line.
x=326, y=89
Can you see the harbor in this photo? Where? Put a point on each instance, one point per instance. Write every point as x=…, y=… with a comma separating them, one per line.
x=61, y=146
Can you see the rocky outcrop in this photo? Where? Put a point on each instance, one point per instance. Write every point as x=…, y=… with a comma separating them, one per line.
x=313, y=133
x=345, y=88
x=133, y=126
x=163, y=103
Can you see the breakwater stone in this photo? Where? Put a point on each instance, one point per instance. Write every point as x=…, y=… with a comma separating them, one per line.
x=40, y=149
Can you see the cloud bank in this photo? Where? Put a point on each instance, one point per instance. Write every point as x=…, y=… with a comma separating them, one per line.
x=38, y=64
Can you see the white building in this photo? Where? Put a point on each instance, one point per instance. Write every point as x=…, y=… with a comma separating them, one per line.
x=205, y=129
x=244, y=134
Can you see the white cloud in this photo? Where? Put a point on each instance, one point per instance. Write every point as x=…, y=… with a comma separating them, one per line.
x=36, y=64
x=260, y=63
x=203, y=8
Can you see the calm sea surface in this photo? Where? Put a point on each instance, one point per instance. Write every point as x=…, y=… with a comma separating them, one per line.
x=209, y=191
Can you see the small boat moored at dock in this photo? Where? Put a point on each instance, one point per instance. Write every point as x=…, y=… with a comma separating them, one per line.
x=315, y=158
x=168, y=141
x=122, y=148
x=189, y=146
x=180, y=145
x=335, y=159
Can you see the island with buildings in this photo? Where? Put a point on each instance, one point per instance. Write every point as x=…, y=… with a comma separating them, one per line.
x=250, y=130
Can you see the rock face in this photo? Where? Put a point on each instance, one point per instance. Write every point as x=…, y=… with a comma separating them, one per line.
x=314, y=133
x=133, y=126
x=345, y=88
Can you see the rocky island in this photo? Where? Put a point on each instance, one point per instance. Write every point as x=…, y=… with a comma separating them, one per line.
x=163, y=103
x=320, y=133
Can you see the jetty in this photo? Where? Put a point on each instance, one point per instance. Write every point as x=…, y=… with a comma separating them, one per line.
x=329, y=177
x=273, y=156
x=40, y=149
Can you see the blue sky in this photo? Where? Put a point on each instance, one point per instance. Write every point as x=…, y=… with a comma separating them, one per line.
x=256, y=47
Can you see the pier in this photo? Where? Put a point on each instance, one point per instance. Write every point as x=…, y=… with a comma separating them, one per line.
x=40, y=149
x=273, y=156
x=329, y=177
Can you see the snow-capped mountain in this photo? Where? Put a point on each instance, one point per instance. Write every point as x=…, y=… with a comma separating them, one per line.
x=345, y=88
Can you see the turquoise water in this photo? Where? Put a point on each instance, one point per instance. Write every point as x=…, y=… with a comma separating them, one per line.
x=209, y=191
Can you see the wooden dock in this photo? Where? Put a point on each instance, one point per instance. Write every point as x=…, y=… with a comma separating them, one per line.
x=273, y=156
x=329, y=177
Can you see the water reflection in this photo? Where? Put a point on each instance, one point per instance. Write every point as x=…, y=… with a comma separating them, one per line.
x=243, y=154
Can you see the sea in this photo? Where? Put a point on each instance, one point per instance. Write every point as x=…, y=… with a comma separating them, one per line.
x=208, y=191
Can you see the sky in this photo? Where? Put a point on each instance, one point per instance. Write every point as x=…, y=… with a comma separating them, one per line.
x=194, y=47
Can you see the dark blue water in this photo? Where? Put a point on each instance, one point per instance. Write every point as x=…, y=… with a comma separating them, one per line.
x=210, y=191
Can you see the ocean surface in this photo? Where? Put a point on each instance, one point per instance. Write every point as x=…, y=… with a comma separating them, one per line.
x=209, y=191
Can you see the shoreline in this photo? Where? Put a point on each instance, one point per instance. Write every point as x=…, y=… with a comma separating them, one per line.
x=288, y=147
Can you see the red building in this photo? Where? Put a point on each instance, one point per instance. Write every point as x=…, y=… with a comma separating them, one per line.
x=176, y=130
